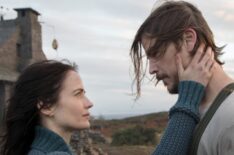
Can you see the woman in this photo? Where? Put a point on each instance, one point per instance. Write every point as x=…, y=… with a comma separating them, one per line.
x=48, y=103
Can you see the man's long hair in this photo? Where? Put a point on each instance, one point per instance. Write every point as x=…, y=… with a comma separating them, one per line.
x=166, y=24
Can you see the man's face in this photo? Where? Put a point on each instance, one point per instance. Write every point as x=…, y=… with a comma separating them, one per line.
x=165, y=67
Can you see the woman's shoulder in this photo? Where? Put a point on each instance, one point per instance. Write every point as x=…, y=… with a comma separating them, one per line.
x=58, y=153
x=38, y=152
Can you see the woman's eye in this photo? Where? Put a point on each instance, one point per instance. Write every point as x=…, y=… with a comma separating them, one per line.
x=80, y=93
x=77, y=94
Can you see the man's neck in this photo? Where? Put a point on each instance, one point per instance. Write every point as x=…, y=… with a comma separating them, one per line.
x=217, y=82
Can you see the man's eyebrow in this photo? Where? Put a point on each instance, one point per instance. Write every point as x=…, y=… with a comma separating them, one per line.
x=147, y=51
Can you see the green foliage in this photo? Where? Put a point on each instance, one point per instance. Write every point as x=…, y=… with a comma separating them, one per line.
x=134, y=136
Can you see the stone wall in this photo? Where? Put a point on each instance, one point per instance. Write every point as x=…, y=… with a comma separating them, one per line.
x=82, y=144
x=8, y=49
x=2, y=105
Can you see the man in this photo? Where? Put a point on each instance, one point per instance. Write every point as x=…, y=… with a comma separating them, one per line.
x=179, y=28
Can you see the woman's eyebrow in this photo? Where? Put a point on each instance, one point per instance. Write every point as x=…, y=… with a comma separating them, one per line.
x=78, y=90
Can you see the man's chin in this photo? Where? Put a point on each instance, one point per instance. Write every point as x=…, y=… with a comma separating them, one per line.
x=173, y=89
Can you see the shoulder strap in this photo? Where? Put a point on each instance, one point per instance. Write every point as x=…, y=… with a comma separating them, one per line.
x=226, y=91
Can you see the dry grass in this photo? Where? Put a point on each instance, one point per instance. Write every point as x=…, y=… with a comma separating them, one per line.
x=127, y=150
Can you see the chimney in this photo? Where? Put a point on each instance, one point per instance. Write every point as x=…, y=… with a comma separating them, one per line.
x=29, y=45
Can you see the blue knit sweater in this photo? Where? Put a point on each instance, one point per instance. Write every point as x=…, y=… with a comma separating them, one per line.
x=184, y=116
x=47, y=142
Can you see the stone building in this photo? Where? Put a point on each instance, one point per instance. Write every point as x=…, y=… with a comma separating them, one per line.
x=20, y=45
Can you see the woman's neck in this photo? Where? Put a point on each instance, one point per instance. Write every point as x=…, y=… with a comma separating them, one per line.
x=62, y=132
x=65, y=134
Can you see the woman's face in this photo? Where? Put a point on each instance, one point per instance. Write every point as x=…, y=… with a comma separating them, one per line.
x=72, y=109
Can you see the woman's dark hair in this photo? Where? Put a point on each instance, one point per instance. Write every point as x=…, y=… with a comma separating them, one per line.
x=40, y=82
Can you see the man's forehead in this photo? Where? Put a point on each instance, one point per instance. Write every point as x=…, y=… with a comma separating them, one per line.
x=147, y=43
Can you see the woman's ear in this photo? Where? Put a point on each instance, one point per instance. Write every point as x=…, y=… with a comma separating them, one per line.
x=46, y=110
x=190, y=38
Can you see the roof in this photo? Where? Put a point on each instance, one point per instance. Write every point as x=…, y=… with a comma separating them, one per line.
x=27, y=9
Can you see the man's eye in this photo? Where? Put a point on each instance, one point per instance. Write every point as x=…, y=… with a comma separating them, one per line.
x=159, y=53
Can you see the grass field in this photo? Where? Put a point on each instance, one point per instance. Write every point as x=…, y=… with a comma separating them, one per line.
x=127, y=150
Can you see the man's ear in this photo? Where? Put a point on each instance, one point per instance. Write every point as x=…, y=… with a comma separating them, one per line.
x=46, y=110
x=190, y=38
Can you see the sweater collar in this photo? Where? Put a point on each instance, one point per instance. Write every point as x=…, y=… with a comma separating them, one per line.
x=48, y=141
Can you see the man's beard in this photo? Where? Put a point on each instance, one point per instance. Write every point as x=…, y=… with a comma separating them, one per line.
x=175, y=86
x=174, y=89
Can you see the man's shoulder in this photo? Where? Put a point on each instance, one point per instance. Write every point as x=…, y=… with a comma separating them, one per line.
x=227, y=106
x=222, y=118
x=231, y=96
x=224, y=113
x=219, y=128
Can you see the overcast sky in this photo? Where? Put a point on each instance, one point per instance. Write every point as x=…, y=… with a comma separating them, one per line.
x=97, y=35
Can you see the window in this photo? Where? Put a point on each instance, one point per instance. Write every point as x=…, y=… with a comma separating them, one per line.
x=22, y=13
x=18, y=49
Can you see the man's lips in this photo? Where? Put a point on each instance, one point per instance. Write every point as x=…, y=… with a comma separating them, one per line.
x=164, y=82
x=161, y=78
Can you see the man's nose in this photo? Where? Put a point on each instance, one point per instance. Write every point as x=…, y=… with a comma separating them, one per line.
x=153, y=69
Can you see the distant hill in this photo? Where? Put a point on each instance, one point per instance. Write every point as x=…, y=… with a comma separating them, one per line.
x=104, y=129
x=158, y=121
